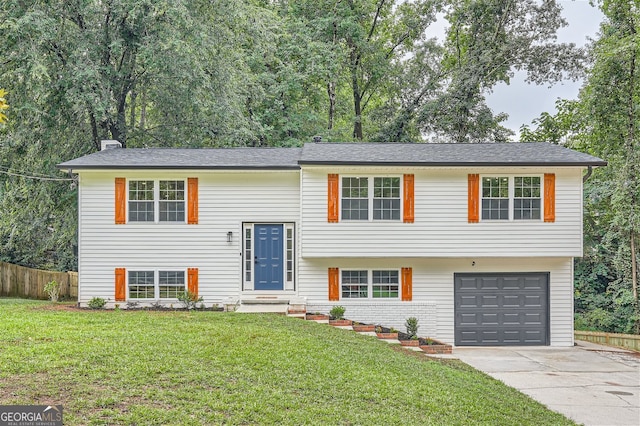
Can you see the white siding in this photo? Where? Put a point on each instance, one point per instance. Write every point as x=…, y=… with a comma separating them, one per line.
x=441, y=227
x=433, y=286
x=226, y=200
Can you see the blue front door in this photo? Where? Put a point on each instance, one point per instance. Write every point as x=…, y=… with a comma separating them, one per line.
x=268, y=258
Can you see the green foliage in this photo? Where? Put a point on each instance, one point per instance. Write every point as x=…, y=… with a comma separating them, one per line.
x=411, y=325
x=97, y=303
x=52, y=288
x=3, y=106
x=604, y=121
x=189, y=299
x=337, y=312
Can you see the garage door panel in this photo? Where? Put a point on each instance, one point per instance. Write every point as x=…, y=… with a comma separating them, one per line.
x=511, y=283
x=501, y=309
x=488, y=283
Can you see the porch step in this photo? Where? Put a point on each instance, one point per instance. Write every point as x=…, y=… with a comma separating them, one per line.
x=291, y=306
x=264, y=301
x=277, y=308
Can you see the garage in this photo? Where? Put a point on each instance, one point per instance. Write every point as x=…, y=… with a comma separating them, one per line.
x=501, y=309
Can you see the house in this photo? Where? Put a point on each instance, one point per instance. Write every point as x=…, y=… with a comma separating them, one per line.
x=475, y=240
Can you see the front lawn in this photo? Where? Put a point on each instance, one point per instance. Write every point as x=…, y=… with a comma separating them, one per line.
x=119, y=367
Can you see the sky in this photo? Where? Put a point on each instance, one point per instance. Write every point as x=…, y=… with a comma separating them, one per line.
x=524, y=102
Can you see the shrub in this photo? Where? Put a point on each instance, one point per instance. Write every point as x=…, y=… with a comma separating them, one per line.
x=337, y=312
x=97, y=303
x=411, y=324
x=189, y=300
x=52, y=288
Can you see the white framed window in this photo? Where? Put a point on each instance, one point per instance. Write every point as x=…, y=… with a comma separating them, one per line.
x=511, y=198
x=371, y=198
x=370, y=284
x=155, y=284
x=156, y=200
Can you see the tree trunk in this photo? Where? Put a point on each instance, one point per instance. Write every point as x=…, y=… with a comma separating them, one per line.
x=331, y=91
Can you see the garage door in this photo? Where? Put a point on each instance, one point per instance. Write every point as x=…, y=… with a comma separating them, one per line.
x=501, y=309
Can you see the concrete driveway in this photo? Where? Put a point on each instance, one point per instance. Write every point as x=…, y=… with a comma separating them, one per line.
x=590, y=384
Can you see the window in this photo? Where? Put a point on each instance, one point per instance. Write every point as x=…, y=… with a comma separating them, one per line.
x=385, y=284
x=171, y=284
x=141, y=201
x=355, y=284
x=171, y=201
x=365, y=284
x=526, y=201
x=166, y=197
x=355, y=198
x=386, y=198
x=364, y=198
x=511, y=198
x=141, y=285
x=156, y=284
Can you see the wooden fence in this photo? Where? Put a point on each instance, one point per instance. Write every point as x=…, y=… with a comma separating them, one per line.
x=19, y=281
x=626, y=341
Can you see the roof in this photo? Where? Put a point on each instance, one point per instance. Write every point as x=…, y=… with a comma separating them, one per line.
x=437, y=154
x=188, y=158
x=323, y=153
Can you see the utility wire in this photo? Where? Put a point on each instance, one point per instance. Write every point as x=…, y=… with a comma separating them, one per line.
x=27, y=176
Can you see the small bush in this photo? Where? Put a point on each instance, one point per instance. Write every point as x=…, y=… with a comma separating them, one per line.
x=411, y=324
x=189, y=300
x=337, y=312
x=52, y=288
x=97, y=303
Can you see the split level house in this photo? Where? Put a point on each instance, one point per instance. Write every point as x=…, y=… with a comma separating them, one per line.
x=477, y=241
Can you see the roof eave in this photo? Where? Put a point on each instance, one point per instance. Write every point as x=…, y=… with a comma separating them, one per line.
x=454, y=164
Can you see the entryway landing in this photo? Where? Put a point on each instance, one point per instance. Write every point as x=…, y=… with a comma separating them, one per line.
x=292, y=306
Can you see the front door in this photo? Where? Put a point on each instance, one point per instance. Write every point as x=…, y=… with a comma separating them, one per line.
x=268, y=260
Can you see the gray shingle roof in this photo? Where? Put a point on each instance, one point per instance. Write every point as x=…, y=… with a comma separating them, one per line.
x=382, y=154
x=435, y=154
x=188, y=158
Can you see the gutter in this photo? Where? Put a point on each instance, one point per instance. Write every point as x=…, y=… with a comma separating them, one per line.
x=589, y=172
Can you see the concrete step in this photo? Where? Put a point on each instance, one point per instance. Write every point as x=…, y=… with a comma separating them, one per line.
x=263, y=308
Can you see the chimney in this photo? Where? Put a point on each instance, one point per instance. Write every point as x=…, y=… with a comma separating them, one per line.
x=317, y=139
x=109, y=144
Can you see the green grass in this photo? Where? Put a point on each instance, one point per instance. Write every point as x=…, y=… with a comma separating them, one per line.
x=119, y=367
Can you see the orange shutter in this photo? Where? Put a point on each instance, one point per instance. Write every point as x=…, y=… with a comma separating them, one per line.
x=192, y=209
x=121, y=286
x=332, y=198
x=334, y=284
x=549, y=197
x=121, y=199
x=407, y=284
x=474, y=198
x=193, y=280
x=408, y=199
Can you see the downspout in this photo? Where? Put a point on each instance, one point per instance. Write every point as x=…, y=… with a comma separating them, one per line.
x=589, y=172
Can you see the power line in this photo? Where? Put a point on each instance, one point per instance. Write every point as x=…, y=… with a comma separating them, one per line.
x=46, y=178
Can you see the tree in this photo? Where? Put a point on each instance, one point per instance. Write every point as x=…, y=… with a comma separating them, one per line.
x=487, y=41
x=159, y=73
x=604, y=121
x=3, y=105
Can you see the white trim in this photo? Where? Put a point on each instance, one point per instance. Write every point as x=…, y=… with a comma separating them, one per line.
x=288, y=285
x=370, y=196
x=370, y=297
x=156, y=200
x=511, y=188
x=156, y=283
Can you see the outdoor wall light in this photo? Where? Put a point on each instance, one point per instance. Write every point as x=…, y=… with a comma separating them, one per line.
x=229, y=235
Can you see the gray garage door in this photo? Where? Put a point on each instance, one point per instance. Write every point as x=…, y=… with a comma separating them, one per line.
x=501, y=309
